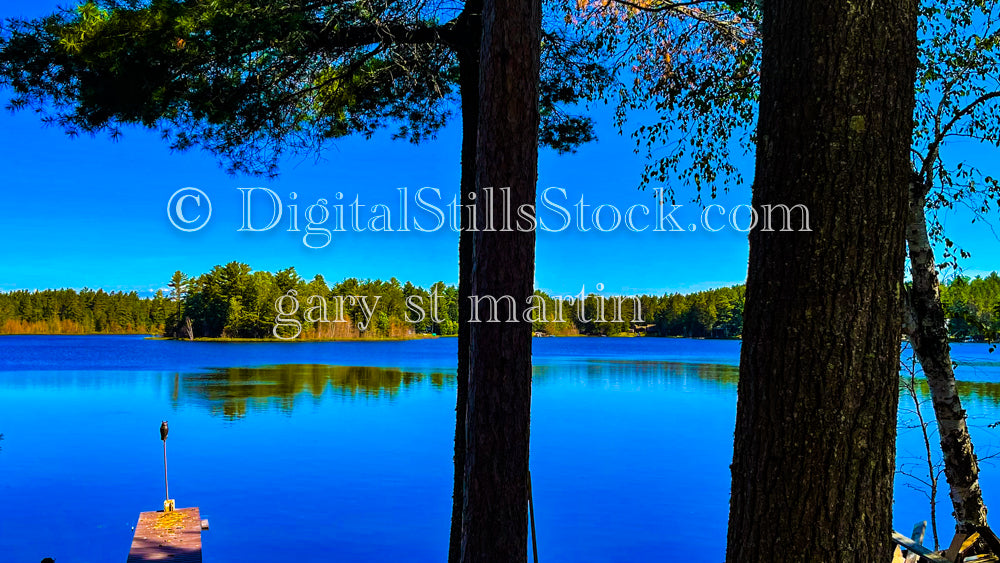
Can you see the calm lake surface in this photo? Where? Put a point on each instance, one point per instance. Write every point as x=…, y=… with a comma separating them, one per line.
x=343, y=451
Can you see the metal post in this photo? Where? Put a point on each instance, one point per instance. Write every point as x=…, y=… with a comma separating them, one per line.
x=166, y=484
x=168, y=505
x=531, y=513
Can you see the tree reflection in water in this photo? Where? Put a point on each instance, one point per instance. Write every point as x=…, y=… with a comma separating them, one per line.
x=233, y=392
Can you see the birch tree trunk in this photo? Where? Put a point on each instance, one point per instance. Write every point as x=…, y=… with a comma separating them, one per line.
x=928, y=335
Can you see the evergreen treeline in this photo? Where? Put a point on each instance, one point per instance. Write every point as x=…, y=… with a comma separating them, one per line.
x=716, y=313
x=66, y=311
x=234, y=301
x=973, y=307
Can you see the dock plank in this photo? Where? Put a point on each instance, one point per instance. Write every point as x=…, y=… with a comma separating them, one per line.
x=167, y=536
x=915, y=547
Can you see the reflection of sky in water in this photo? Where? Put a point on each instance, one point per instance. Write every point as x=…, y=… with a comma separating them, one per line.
x=314, y=461
x=974, y=362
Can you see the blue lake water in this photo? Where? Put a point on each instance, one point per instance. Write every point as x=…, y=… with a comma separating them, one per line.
x=343, y=451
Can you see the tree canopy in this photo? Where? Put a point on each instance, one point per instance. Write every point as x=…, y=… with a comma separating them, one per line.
x=250, y=80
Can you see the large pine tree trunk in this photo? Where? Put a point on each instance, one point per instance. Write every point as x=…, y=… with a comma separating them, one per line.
x=468, y=63
x=929, y=338
x=495, y=515
x=814, y=448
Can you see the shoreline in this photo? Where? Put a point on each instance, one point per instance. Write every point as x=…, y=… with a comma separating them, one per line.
x=148, y=336
x=300, y=340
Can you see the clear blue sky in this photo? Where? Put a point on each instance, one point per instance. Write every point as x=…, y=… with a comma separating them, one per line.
x=92, y=212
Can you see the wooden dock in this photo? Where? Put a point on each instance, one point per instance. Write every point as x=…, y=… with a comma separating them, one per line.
x=168, y=536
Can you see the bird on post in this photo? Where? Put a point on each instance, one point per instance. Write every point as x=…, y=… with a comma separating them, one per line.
x=163, y=431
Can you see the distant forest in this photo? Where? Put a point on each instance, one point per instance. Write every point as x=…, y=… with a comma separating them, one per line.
x=233, y=301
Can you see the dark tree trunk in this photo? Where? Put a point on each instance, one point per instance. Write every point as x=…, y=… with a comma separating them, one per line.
x=495, y=514
x=814, y=449
x=929, y=338
x=468, y=65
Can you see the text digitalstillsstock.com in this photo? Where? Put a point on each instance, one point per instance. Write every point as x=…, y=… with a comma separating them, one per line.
x=489, y=210
x=190, y=209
